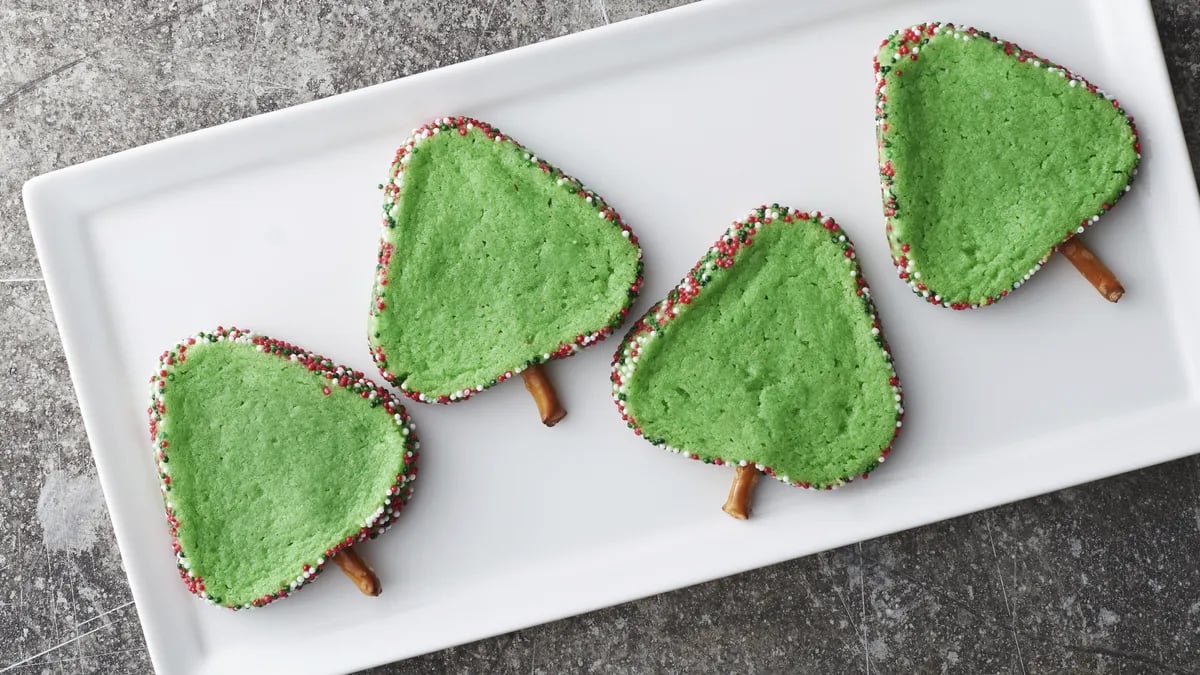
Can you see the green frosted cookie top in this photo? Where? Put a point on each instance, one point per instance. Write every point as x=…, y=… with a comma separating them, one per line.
x=491, y=260
x=990, y=157
x=769, y=352
x=272, y=460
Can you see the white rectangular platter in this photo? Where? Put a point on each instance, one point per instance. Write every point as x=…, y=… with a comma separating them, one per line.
x=684, y=120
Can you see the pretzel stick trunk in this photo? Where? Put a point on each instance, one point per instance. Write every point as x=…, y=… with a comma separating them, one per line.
x=359, y=571
x=1093, y=269
x=740, y=493
x=544, y=395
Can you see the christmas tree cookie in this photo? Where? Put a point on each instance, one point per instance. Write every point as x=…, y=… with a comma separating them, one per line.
x=768, y=356
x=492, y=262
x=991, y=159
x=273, y=461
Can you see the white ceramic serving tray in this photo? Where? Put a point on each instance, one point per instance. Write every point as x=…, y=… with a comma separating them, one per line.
x=684, y=120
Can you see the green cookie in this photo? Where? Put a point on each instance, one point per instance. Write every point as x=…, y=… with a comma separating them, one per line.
x=491, y=261
x=272, y=460
x=990, y=157
x=768, y=353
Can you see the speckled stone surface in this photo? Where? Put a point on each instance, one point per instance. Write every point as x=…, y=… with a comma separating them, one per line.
x=1100, y=578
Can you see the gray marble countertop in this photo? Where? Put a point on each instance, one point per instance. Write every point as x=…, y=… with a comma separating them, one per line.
x=1099, y=578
